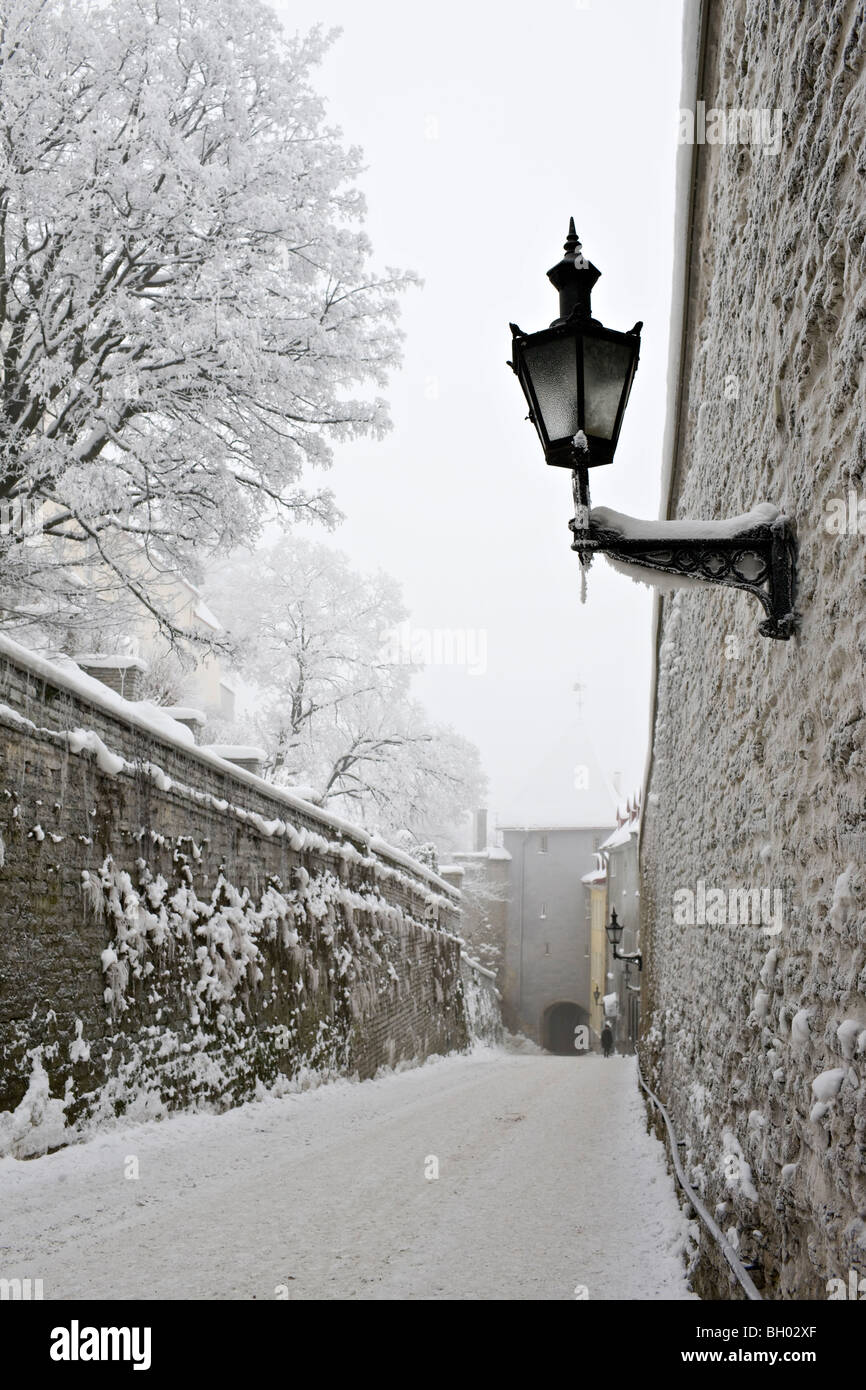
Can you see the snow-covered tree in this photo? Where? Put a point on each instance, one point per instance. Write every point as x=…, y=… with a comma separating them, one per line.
x=308, y=634
x=187, y=314
x=333, y=710
x=386, y=763
x=481, y=925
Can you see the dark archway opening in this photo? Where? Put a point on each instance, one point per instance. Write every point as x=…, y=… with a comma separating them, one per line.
x=558, y=1029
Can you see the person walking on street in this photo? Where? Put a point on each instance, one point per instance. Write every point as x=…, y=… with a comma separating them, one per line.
x=607, y=1040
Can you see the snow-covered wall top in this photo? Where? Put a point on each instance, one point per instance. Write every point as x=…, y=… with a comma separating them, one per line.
x=162, y=729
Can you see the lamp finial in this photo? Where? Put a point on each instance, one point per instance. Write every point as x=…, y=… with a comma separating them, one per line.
x=574, y=278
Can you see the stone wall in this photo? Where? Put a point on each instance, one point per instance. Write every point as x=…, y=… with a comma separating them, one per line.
x=177, y=933
x=756, y=1028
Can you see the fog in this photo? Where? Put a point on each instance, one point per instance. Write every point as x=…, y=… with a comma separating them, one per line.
x=484, y=128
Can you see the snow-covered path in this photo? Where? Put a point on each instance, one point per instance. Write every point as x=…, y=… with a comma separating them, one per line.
x=547, y=1180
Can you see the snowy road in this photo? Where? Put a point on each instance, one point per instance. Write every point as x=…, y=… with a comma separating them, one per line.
x=547, y=1180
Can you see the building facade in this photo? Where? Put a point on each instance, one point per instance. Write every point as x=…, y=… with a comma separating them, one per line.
x=623, y=894
x=546, y=980
x=595, y=912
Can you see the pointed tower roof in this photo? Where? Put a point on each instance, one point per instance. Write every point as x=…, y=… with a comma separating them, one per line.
x=566, y=788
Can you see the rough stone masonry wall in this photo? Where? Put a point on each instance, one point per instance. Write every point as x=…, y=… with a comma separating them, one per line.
x=757, y=1042
x=173, y=934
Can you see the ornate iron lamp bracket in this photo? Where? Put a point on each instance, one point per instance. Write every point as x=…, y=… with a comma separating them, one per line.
x=761, y=559
x=630, y=957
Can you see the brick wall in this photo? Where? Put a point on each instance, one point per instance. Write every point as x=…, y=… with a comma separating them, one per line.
x=121, y=676
x=175, y=933
x=755, y=1038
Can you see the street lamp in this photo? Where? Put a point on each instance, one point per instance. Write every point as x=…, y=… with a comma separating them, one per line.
x=577, y=376
x=614, y=936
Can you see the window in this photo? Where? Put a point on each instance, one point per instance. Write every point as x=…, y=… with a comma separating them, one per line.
x=542, y=849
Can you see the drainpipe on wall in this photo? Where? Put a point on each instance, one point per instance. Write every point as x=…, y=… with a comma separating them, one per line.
x=520, y=962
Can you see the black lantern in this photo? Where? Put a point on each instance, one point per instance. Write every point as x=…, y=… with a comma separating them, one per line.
x=576, y=374
x=614, y=929
x=614, y=936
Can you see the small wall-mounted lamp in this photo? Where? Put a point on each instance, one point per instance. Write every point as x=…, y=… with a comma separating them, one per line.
x=614, y=936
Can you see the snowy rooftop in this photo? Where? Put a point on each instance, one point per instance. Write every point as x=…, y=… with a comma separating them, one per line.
x=206, y=615
x=542, y=827
x=622, y=835
x=595, y=876
x=492, y=852
x=187, y=712
x=546, y=794
x=106, y=661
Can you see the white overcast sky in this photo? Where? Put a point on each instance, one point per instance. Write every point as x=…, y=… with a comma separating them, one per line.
x=484, y=127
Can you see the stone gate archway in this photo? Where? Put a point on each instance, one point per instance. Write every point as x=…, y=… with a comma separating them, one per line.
x=557, y=1027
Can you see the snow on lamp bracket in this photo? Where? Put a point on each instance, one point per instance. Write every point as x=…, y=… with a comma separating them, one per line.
x=576, y=376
